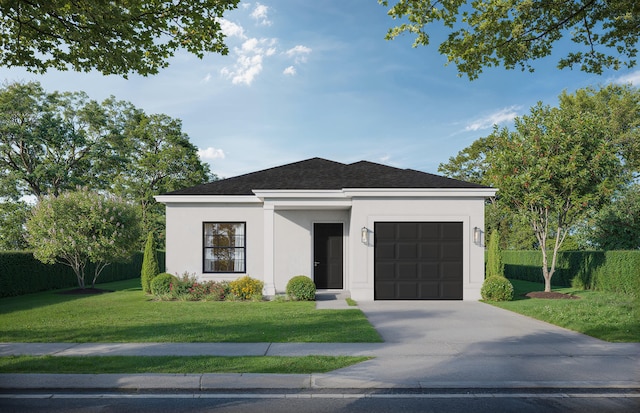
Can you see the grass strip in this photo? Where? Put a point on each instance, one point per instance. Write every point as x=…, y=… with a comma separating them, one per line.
x=174, y=365
x=607, y=316
x=128, y=315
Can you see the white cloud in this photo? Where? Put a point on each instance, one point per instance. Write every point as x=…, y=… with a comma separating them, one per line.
x=299, y=53
x=211, y=153
x=290, y=71
x=501, y=116
x=261, y=14
x=633, y=78
x=249, y=61
x=231, y=29
x=207, y=78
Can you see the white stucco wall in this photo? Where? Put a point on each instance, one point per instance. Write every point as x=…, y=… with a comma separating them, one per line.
x=294, y=242
x=279, y=243
x=368, y=210
x=185, y=238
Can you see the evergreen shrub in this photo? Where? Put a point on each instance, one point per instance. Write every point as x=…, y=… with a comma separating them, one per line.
x=497, y=289
x=162, y=284
x=301, y=288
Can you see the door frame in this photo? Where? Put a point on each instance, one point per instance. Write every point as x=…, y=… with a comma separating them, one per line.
x=344, y=248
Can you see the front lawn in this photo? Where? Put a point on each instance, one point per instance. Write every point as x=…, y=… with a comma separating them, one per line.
x=607, y=316
x=175, y=365
x=127, y=315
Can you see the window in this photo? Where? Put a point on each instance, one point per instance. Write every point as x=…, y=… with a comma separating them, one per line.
x=224, y=247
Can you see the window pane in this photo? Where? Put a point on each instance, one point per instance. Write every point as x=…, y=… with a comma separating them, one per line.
x=224, y=247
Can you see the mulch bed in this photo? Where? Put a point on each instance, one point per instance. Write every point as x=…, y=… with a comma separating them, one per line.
x=552, y=294
x=85, y=291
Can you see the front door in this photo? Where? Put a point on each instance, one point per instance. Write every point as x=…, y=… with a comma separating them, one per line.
x=328, y=255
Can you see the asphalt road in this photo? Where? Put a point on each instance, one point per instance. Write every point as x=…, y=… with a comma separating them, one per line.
x=468, y=402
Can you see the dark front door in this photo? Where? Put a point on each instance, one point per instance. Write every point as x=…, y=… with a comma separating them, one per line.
x=327, y=256
x=418, y=260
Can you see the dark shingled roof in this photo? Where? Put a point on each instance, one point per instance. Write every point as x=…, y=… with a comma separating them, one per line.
x=318, y=173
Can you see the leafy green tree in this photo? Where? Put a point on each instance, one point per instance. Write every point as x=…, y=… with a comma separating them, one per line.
x=113, y=37
x=82, y=227
x=162, y=160
x=512, y=33
x=495, y=264
x=51, y=142
x=150, y=266
x=617, y=226
x=13, y=215
x=556, y=166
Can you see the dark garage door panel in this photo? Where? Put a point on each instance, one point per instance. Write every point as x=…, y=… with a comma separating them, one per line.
x=418, y=260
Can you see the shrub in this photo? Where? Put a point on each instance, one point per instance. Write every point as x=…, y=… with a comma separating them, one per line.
x=149, y=264
x=495, y=265
x=246, y=288
x=207, y=291
x=497, y=289
x=161, y=284
x=301, y=288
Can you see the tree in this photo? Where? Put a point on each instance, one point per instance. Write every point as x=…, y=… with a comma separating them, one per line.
x=512, y=33
x=556, y=166
x=82, y=227
x=113, y=37
x=617, y=226
x=13, y=215
x=149, y=264
x=162, y=160
x=495, y=265
x=52, y=142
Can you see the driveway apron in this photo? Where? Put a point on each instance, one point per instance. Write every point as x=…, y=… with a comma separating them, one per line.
x=462, y=343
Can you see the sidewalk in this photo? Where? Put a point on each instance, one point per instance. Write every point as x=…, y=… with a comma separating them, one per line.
x=428, y=345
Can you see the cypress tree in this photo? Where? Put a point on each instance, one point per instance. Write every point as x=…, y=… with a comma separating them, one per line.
x=495, y=265
x=149, y=264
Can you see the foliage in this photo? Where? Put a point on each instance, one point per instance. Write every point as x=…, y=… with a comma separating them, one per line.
x=127, y=315
x=512, y=33
x=136, y=36
x=54, y=142
x=614, y=111
x=80, y=227
x=21, y=273
x=495, y=265
x=246, y=288
x=150, y=266
x=161, y=284
x=301, y=288
x=496, y=288
x=617, y=226
x=13, y=215
x=610, y=271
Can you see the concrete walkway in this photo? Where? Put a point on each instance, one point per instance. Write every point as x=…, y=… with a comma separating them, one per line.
x=427, y=345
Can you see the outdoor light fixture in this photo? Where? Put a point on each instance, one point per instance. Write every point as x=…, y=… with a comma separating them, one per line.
x=477, y=236
x=364, y=235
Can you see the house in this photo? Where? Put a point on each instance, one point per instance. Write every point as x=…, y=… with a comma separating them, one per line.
x=378, y=232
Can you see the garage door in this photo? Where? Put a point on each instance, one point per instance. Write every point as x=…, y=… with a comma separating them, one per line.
x=418, y=260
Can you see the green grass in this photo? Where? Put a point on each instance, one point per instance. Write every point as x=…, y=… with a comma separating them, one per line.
x=127, y=315
x=607, y=316
x=351, y=302
x=175, y=365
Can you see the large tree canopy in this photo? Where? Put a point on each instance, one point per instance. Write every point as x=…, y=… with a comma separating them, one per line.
x=113, y=37
x=54, y=142
x=512, y=33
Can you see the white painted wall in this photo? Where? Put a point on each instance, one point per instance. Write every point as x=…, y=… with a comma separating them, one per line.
x=366, y=211
x=294, y=241
x=185, y=238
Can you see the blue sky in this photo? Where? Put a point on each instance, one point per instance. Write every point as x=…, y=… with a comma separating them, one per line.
x=317, y=78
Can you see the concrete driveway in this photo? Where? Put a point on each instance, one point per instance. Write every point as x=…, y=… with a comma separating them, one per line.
x=460, y=344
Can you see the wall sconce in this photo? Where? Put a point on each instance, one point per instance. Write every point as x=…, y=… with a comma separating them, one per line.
x=364, y=235
x=477, y=236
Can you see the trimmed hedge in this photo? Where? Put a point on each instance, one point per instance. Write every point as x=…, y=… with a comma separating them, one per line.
x=20, y=273
x=614, y=271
